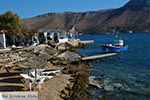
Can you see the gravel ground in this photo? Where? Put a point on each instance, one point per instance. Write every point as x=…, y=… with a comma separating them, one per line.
x=10, y=82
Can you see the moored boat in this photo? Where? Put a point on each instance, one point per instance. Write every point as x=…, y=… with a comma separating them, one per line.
x=118, y=46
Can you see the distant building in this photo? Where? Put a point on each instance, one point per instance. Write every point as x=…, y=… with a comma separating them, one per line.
x=58, y=36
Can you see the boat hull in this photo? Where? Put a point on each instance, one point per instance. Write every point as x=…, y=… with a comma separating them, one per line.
x=106, y=48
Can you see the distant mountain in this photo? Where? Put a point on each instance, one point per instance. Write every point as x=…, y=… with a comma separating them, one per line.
x=133, y=16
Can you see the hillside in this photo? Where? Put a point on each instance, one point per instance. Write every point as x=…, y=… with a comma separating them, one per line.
x=135, y=16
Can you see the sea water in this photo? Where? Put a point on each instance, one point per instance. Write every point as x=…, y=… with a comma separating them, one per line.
x=125, y=76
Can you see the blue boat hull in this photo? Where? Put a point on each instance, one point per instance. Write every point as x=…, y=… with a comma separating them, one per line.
x=106, y=49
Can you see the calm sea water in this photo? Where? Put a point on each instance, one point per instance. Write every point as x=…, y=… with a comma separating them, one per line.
x=131, y=69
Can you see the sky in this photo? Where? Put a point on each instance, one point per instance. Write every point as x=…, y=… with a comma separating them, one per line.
x=31, y=8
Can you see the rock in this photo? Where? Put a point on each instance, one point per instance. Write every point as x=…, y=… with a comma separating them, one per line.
x=63, y=96
x=69, y=86
x=91, y=78
x=109, y=88
x=118, y=86
x=103, y=75
x=95, y=83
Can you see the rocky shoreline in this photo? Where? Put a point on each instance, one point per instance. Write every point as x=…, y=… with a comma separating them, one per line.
x=79, y=83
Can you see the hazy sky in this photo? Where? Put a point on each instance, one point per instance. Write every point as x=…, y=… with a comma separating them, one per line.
x=31, y=8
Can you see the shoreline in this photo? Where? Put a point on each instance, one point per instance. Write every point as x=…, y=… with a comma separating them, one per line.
x=79, y=83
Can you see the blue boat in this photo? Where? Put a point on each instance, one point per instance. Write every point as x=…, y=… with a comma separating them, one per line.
x=118, y=46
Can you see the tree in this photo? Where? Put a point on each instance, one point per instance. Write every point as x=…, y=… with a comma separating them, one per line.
x=10, y=21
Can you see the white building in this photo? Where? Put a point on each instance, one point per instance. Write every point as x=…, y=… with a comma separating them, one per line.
x=2, y=41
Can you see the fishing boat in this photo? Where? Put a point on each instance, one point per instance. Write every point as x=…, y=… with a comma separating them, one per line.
x=118, y=46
